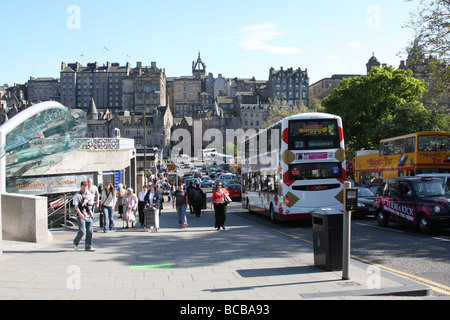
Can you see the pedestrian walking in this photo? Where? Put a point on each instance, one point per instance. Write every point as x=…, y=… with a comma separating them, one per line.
x=189, y=190
x=100, y=209
x=197, y=200
x=141, y=204
x=94, y=191
x=130, y=205
x=109, y=199
x=153, y=200
x=180, y=201
x=219, y=202
x=82, y=200
x=120, y=194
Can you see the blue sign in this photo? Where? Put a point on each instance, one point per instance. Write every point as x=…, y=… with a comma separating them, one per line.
x=117, y=179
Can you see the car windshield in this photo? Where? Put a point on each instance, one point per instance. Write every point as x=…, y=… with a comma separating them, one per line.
x=431, y=188
x=363, y=192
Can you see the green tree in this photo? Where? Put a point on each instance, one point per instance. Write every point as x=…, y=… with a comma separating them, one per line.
x=280, y=110
x=366, y=102
x=411, y=117
x=431, y=25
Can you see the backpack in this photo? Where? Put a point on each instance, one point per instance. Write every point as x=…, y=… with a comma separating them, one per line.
x=197, y=195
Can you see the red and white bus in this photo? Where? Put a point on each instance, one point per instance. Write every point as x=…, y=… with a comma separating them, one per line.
x=295, y=167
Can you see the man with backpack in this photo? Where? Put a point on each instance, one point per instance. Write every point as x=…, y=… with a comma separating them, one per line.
x=83, y=201
x=198, y=197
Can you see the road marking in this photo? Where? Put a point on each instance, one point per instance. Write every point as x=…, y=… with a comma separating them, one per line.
x=443, y=289
x=376, y=227
x=441, y=239
x=433, y=285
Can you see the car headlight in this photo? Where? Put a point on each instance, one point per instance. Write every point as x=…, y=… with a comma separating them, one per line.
x=437, y=209
x=360, y=204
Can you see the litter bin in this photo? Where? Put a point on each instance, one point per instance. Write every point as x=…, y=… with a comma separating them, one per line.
x=327, y=234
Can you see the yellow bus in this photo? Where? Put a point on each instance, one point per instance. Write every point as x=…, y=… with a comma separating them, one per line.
x=409, y=155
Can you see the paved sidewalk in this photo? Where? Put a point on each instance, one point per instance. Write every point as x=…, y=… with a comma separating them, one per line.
x=244, y=262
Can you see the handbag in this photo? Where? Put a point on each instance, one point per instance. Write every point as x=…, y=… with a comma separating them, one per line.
x=227, y=200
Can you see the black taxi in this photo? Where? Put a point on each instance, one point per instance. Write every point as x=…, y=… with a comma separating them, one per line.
x=420, y=201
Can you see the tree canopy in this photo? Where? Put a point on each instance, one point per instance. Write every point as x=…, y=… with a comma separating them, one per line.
x=431, y=25
x=380, y=105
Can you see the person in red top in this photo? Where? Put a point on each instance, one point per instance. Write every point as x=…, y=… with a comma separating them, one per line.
x=220, y=205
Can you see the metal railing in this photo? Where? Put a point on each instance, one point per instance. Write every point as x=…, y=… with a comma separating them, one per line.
x=60, y=214
x=104, y=144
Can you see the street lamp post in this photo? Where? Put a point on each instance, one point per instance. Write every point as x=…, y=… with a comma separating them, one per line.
x=145, y=145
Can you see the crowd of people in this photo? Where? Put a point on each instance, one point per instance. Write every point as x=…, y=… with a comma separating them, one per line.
x=145, y=207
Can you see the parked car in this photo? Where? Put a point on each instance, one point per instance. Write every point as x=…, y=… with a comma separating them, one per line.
x=235, y=191
x=195, y=181
x=366, y=201
x=206, y=182
x=225, y=182
x=227, y=176
x=420, y=201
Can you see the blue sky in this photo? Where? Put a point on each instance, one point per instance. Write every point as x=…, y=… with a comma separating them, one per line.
x=236, y=38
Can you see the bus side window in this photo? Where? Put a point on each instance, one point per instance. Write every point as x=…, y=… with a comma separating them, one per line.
x=399, y=146
x=388, y=148
x=410, y=145
x=381, y=149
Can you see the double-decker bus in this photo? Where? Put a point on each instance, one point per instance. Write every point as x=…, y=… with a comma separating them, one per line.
x=295, y=167
x=409, y=155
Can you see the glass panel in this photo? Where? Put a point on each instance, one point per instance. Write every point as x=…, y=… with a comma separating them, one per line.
x=44, y=140
x=313, y=134
x=318, y=170
x=434, y=143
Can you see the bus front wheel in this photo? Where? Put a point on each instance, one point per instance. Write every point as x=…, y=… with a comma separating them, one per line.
x=272, y=214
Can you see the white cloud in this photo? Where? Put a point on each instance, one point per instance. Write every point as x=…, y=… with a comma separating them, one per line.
x=256, y=37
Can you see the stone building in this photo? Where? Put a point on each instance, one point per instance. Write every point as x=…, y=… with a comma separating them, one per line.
x=324, y=87
x=289, y=85
x=43, y=89
x=144, y=88
x=154, y=134
x=80, y=84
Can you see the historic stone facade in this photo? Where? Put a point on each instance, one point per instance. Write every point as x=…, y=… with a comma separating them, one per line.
x=289, y=85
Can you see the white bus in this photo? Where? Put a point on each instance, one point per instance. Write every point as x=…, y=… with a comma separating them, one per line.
x=295, y=167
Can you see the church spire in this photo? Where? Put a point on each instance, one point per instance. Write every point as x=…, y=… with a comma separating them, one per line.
x=199, y=67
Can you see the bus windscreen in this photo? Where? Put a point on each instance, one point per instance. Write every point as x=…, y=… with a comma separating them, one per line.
x=316, y=170
x=313, y=134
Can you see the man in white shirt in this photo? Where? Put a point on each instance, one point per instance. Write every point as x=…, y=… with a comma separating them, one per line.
x=141, y=204
x=152, y=199
x=94, y=191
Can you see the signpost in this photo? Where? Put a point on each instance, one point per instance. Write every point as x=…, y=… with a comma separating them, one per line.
x=350, y=204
